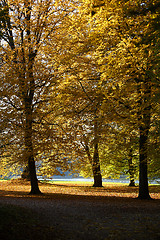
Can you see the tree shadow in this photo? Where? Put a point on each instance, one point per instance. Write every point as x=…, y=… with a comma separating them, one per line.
x=114, y=193
x=131, y=201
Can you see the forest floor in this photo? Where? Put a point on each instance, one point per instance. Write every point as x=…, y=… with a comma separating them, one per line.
x=77, y=211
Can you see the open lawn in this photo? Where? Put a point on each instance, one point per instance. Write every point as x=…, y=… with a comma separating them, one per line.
x=76, y=210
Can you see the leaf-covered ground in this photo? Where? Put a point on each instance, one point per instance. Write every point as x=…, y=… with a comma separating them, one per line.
x=74, y=211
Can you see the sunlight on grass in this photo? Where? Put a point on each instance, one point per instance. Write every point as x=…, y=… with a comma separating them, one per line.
x=19, y=188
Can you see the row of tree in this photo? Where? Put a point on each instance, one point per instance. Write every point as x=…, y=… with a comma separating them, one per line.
x=80, y=88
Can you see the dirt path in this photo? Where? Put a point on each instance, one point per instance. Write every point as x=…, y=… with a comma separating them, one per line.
x=95, y=219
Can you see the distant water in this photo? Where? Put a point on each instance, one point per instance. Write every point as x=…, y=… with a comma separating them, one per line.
x=91, y=180
x=81, y=179
x=120, y=180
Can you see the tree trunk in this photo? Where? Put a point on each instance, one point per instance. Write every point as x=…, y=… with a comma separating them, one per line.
x=32, y=168
x=95, y=163
x=96, y=169
x=33, y=177
x=131, y=169
x=29, y=147
x=143, y=178
x=144, y=116
x=95, y=160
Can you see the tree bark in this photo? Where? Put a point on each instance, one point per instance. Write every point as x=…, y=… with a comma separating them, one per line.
x=29, y=146
x=131, y=169
x=143, y=178
x=96, y=164
x=144, y=117
x=33, y=177
x=96, y=168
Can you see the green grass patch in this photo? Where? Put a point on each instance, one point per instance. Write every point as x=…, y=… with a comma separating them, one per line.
x=80, y=183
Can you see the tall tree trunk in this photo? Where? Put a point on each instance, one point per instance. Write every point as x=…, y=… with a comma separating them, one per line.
x=96, y=168
x=95, y=163
x=144, y=117
x=143, y=176
x=131, y=169
x=29, y=147
x=33, y=177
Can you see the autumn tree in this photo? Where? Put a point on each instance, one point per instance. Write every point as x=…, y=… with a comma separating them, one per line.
x=83, y=104
x=25, y=28
x=78, y=120
x=129, y=64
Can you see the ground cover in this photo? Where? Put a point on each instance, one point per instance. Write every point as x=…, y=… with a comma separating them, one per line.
x=74, y=211
x=16, y=187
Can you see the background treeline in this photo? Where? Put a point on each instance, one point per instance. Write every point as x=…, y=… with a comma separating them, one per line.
x=79, y=89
